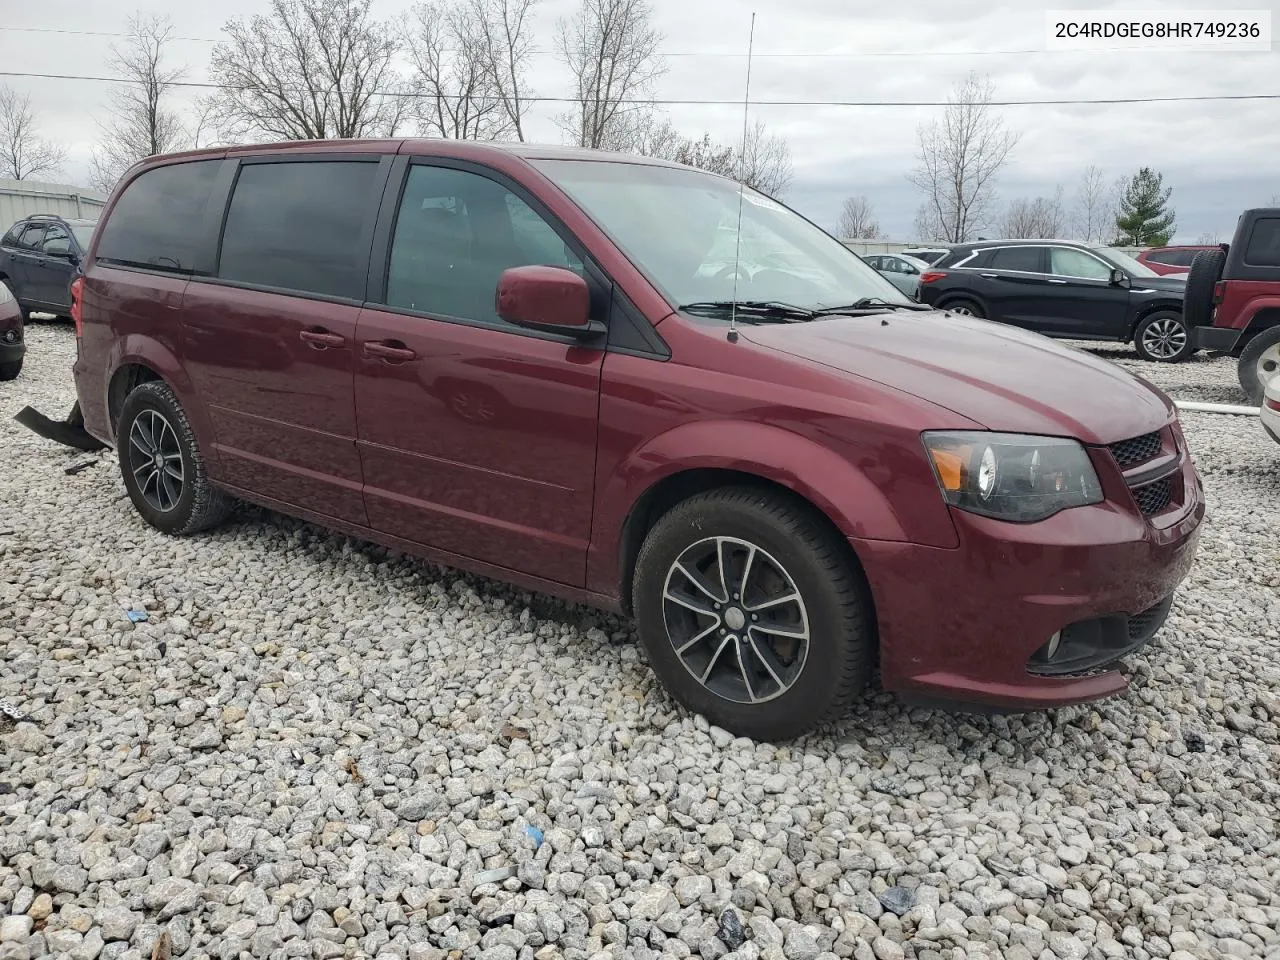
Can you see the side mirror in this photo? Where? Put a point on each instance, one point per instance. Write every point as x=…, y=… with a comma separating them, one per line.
x=547, y=298
x=1118, y=277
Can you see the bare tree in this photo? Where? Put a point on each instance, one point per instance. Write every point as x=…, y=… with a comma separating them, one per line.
x=23, y=152
x=452, y=79
x=960, y=158
x=1093, y=221
x=1208, y=238
x=857, y=220
x=1041, y=218
x=508, y=44
x=928, y=227
x=764, y=163
x=611, y=49
x=309, y=70
x=142, y=123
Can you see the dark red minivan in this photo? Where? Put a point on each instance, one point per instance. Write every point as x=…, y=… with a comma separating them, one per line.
x=625, y=382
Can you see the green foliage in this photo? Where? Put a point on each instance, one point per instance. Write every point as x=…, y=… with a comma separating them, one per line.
x=1144, y=218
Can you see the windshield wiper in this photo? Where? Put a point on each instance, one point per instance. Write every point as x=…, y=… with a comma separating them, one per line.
x=753, y=310
x=870, y=303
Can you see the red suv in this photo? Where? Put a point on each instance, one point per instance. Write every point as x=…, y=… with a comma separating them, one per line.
x=1232, y=302
x=1166, y=261
x=558, y=368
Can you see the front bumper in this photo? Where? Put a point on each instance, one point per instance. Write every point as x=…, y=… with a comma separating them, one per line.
x=1218, y=339
x=964, y=626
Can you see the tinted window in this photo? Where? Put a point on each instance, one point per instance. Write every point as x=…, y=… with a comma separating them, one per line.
x=56, y=240
x=298, y=226
x=158, y=221
x=31, y=235
x=1026, y=259
x=455, y=234
x=1065, y=262
x=1264, y=244
x=11, y=237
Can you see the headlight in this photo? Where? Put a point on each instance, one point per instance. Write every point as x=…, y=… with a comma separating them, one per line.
x=1011, y=476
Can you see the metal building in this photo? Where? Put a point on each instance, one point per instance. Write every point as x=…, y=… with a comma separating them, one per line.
x=22, y=198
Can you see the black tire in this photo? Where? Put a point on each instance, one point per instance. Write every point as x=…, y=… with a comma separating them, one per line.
x=1260, y=358
x=1205, y=272
x=1162, y=337
x=963, y=306
x=197, y=505
x=10, y=371
x=834, y=610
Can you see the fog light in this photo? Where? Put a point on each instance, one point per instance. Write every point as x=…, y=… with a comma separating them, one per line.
x=1051, y=650
x=11, y=336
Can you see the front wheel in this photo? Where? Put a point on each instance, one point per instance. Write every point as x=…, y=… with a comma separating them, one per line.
x=10, y=371
x=1259, y=363
x=753, y=613
x=162, y=465
x=1163, y=337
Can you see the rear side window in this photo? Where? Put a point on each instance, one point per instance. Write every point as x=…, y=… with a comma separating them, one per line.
x=31, y=236
x=1264, y=243
x=159, y=219
x=301, y=227
x=1024, y=259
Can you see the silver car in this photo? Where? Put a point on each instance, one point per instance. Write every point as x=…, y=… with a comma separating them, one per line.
x=900, y=270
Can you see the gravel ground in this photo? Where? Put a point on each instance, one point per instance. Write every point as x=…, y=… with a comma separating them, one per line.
x=317, y=748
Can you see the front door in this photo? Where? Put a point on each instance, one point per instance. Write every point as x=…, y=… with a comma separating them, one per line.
x=1085, y=303
x=476, y=437
x=50, y=272
x=23, y=245
x=270, y=342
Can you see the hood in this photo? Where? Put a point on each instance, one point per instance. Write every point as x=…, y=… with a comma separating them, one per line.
x=1171, y=283
x=1002, y=377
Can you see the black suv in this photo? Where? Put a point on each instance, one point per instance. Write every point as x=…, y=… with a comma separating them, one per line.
x=1063, y=289
x=39, y=257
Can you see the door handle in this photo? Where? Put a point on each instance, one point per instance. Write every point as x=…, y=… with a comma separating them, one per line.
x=389, y=351
x=1051, y=280
x=990, y=276
x=321, y=339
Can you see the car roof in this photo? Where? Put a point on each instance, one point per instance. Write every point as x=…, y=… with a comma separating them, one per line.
x=1026, y=242
x=421, y=146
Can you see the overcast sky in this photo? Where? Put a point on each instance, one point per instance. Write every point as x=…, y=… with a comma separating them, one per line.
x=1219, y=157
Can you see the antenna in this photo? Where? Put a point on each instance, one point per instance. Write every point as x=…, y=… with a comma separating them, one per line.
x=742, y=156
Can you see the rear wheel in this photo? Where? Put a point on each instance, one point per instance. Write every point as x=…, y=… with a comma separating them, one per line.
x=1205, y=272
x=10, y=371
x=753, y=613
x=161, y=463
x=1259, y=363
x=1163, y=337
x=965, y=308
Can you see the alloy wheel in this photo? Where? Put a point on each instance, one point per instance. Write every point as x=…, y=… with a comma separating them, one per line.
x=1268, y=365
x=736, y=619
x=1164, y=338
x=156, y=460
x=961, y=310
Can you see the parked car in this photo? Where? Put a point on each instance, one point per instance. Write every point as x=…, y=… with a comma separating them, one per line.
x=930, y=255
x=508, y=359
x=38, y=259
x=1270, y=411
x=902, y=271
x=12, y=347
x=1233, y=299
x=1168, y=261
x=1063, y=289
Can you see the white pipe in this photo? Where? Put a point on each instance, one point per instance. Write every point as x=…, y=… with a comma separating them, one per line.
x=1196, y=407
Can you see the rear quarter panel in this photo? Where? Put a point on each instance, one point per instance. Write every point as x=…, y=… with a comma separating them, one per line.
x=1243, y=300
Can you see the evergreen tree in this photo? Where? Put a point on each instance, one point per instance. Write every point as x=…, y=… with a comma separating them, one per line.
x=1144, y=218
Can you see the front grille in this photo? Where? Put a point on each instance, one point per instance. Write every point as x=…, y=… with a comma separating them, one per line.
x=1154, y=497
x=1136, y=450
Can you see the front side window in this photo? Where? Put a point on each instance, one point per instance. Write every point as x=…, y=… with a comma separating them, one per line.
x=56, y=241
x=1022, y=259
x=297, y=226
x=158, y=222
x=455, y=233
x=680, y=226
x=1065, y=262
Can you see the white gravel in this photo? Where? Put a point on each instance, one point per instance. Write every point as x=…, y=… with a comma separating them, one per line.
x=313, y=748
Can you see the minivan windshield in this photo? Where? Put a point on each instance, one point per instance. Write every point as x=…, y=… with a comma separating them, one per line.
x=679, y=226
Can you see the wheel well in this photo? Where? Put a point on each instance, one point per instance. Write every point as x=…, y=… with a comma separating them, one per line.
x=1264, y=319
x=123, y=382
x=1148, y=311
x=673, y=490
